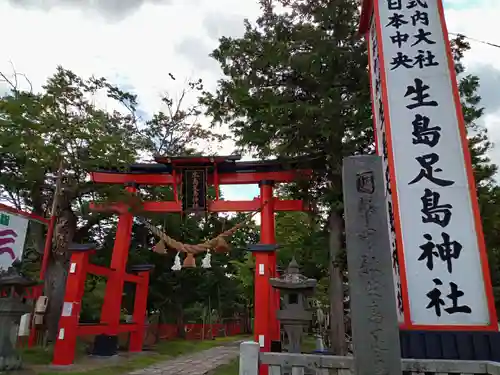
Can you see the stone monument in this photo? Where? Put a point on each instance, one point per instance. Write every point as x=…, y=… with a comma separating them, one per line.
x=295, y=314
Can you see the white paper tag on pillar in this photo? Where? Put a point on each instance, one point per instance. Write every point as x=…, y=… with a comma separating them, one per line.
x=261, y=269
x=67, y=309
x=261, y=341
x=61, y=334
x=72, y=268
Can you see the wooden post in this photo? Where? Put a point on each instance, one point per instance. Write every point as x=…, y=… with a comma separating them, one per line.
x=375, y=330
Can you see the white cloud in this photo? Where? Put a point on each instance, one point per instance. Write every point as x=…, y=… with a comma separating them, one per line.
x=477, y=22
x=476, y=19
x=140, y=48
x=112, y=10
x=137, y=52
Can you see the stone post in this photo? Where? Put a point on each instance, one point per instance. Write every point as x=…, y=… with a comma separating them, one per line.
x=375, y=330
x=249, y=358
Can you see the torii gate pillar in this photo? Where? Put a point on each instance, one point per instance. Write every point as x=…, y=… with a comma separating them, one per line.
x=266, y=300
x=268, y=237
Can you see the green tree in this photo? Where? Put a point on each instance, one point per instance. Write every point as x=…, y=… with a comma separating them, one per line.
x=485, y=170
x=305, y=239
x=243, y=273
x=296, y=84
x=175, y=129
x=62, y=125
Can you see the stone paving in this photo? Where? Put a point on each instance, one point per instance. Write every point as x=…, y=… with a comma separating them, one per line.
x=199, y=363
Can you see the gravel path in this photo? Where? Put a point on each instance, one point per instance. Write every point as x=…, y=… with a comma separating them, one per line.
x=199, y=363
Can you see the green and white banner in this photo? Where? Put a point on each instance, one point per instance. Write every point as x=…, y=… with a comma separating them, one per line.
x=13, y=230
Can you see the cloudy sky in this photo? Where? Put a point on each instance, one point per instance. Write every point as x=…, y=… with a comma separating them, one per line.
x=136, y=43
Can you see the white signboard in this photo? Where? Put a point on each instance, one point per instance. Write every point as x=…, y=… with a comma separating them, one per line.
x=381, y=137
x=425, y=152
x=12, y=236
x=67, y=309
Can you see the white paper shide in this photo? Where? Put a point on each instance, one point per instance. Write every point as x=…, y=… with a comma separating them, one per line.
x=440, y=245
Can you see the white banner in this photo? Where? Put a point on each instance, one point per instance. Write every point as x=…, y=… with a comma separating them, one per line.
x=13, y=230
x=421, y=140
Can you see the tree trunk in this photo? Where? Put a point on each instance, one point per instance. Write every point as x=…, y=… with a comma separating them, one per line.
x=248, y=319
x=57, y=270
x=337, y=328
x=158, y=331
x=180, y=322
x=55, y=287
x=38, y=233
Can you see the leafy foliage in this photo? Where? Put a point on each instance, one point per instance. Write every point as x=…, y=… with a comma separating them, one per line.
x=484, y=170
x=62, y=125
x=296, y=83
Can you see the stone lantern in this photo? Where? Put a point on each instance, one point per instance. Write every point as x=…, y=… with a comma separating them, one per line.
x=295, y=314
x=12, y=285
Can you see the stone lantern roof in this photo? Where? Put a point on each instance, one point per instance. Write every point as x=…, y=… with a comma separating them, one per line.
x=292, y=279
x=15, y=282
x=12, y=278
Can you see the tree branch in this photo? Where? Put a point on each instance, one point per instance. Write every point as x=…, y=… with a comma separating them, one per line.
x=92, y=220
x=14, y=83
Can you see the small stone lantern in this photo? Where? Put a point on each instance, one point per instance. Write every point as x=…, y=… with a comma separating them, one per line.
x=295, y=314
x=12, y=284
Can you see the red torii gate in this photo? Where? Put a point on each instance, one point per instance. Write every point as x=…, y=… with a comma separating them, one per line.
x=212, y=171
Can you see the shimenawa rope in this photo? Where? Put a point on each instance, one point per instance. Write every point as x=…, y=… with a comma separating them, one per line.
x=217, y=243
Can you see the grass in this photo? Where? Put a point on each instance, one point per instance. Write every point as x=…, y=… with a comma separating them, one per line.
x=43, y=356
x=38, y=358
x=229, y=369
